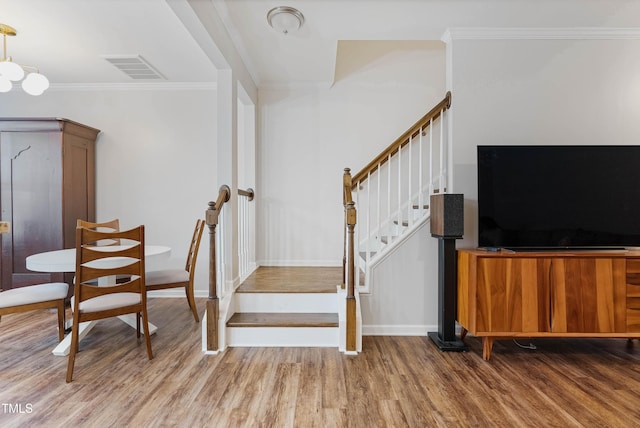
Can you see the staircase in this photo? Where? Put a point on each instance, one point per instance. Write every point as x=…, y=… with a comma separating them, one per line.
x=379, y=244
x=286, y=306
x=392, y=193
x=384, y=204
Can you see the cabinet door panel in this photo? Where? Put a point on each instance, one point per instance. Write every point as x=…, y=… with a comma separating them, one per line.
x=78, y=185
x=509, y=298
x=588, y=295
x=30, y=171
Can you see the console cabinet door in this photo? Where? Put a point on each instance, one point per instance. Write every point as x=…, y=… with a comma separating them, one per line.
x=509, y=295
x=633, y=295
x=588, y=295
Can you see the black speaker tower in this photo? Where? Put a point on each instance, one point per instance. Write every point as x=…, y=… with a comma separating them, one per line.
x=447, y=224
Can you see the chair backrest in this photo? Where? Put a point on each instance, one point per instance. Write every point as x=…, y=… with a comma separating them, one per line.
x=107, y=226
x=195, y=245
x=95, y=265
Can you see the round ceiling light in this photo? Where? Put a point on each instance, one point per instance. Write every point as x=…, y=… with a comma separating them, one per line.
x=285, y=19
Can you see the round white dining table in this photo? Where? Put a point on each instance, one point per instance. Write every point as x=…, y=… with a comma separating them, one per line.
x=65, y=261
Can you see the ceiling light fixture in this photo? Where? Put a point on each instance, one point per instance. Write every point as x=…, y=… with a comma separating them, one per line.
x=285, y=19
x=34, y=84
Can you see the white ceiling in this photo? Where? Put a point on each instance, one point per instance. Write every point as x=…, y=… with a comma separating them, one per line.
x=66, y=39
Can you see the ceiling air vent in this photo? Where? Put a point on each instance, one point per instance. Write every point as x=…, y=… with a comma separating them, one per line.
x=134, y=66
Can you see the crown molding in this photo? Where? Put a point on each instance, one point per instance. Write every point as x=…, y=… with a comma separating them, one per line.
x=161, y=86
x=575, y=33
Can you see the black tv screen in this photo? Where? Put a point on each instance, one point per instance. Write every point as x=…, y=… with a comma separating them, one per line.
x=550, y=197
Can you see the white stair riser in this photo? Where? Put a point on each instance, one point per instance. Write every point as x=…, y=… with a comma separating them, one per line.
x=286, y=302
x=283, y=336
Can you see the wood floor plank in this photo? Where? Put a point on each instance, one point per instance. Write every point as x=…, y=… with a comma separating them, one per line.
x=395, y=381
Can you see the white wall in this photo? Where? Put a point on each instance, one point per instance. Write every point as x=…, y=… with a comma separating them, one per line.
x=504, y=92
x=155, y=157
x=539, y=92
x=309, y=134
x=404, y=293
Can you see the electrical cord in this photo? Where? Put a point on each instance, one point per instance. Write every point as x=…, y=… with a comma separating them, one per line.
x=529, y=346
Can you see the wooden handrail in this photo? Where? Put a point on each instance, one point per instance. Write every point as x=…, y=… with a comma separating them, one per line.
x=249, y=193
x=224, y=193
x=433, y=114
x=213, y=303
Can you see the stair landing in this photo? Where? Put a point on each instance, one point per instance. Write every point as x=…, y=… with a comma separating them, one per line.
x=274, y=279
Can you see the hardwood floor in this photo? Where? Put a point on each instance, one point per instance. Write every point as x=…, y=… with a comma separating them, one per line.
x=396, y=381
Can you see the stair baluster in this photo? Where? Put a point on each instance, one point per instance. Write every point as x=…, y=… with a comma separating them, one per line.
x=404, y=198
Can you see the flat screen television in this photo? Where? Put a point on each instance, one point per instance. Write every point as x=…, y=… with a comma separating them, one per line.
x=558, y=197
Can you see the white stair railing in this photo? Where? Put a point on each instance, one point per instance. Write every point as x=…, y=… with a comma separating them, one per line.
x=392, y=192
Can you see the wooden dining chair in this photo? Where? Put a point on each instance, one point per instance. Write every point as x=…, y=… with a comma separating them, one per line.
x=108, y=298
x=174, y=278
x=31, y=297
x=107, y=226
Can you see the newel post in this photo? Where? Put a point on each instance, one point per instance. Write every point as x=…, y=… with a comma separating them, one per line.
x=213, y=303
x=346, y=196
x=351, y=298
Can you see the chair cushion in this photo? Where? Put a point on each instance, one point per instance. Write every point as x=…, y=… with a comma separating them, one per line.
x=109, y=301
x=166, y=276
x=33, y=294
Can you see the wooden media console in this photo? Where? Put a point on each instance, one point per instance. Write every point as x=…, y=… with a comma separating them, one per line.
x=506, y=294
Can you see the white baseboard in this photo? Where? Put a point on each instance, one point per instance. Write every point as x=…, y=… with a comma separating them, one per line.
x=176, y=293
x=172, y=293
x=397, y=330
x=402, y=330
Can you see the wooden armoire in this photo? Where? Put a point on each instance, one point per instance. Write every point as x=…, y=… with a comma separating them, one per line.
x=47, y=182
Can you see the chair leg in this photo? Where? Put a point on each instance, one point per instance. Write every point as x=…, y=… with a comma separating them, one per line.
x=61, y=320
x=74, y=348
x=147, y=335
x=192, y=303
x=138, y=325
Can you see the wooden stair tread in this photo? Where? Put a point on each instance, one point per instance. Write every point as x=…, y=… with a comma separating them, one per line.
x=282, y=319
x=272, y=279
